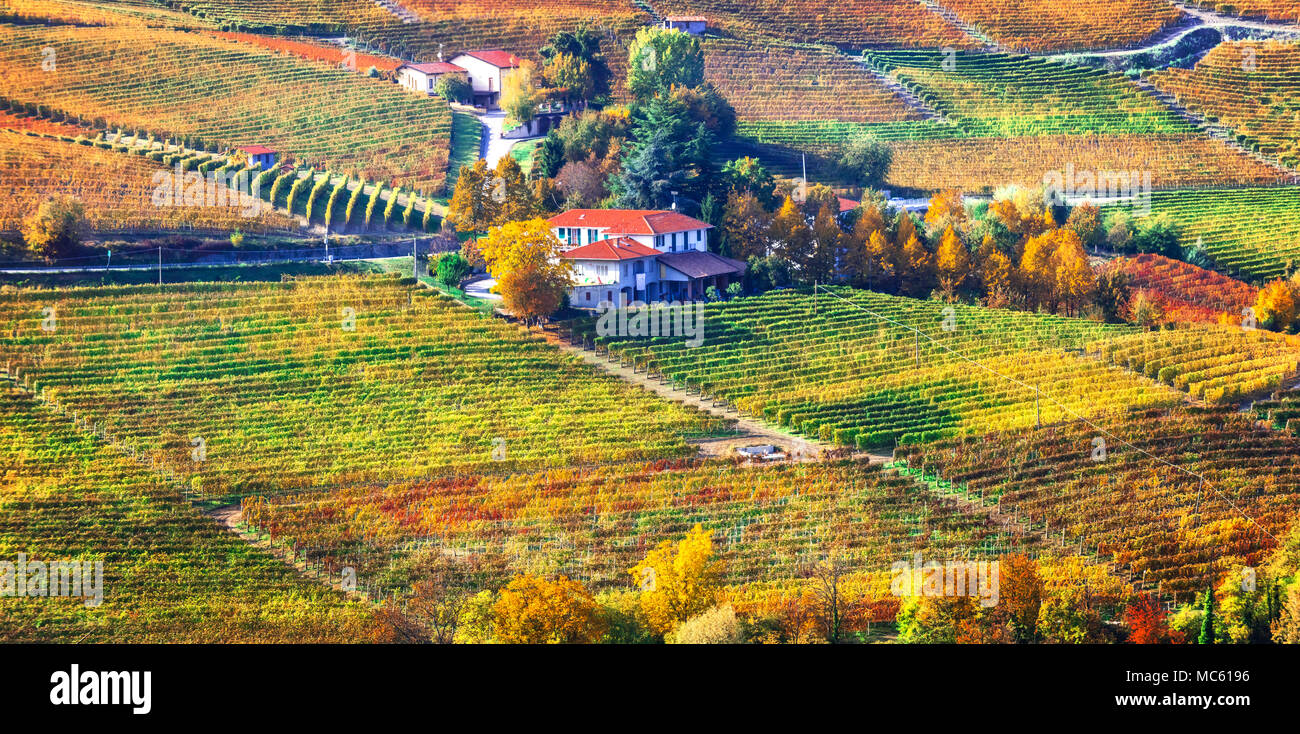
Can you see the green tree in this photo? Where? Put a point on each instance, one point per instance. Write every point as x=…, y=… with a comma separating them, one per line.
x=452, y=267
x=583, y=44
x=748, y=175
x=1207, y=621
x=454, y=88
x=866, y=161
x=660, y=58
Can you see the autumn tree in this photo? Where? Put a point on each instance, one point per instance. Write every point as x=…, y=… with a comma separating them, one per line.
x=791, y=238
x=947, y=211
x=473, y=206
x=1021, y=591
x=510, y=192
x=572, y=74
x=835, y=609
x=1085, y=221
x=952, y=261
x=1145, y=618
x=885, y=261
x=520, y=95
x=827, y=239
x=533, y=611
x=745, y=226
x=1276, y=305
x=524, y=257
x=56, y=227
x=1076, y=282
x=916, y=271
x=678, y=581
x=996, y=273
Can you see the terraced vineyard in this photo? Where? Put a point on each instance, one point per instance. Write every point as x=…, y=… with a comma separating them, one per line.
x=851, y=23
x=833, y=370
x=291, y=16
x=1186, y=293
x=169, y=574
x=1287, y=11
x=86, y=12
x=115, y=188
x=1066, y=25
x=1002, y=95
x=1251, y=87
x=1214, y=363
x=984, y=163
x=289, y=390
x=165, y=81
x=785, y=82
x=594, y=525
x=1252, y=233
x=1140, y=498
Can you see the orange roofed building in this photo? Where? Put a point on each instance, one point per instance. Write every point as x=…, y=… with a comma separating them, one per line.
x=640, y=255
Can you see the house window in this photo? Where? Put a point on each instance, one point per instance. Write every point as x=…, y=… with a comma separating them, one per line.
x=575, y=237
x=591, y=236
x=659, y=241
x=588, y=296
x=698, y=234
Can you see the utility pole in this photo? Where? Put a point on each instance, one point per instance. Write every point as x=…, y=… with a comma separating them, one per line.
x=160, y=267
x=415, y=258
x=1038, y=409
x=918, y=347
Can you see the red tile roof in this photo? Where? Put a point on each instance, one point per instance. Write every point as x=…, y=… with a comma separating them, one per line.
x=621, y=248
x=256, y=149
x=433, y=67
x=629, y=221
x=686, y=19
x=847, y=204
x=496, y=57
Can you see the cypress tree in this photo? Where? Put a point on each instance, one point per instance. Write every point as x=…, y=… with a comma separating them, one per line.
x=1207, y=622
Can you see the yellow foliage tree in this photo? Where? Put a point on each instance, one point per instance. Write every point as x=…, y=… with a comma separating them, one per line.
x=918, y=268
x=678, y=582
x=474, y=206
x=790, y=236
x=1076, y=282
x=532, y=611
x=952, y=261
x=946, y=211
x=1275, y=307
x=525, y=259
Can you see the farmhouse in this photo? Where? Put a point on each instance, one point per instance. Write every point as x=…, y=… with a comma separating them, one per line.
x=424, y=77
x=260, y=155
x=488, y=71
x=692, y=24
x=640, y=255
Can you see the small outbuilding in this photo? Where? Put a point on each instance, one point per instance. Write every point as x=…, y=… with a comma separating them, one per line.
x=260, y=155
x=692, y=24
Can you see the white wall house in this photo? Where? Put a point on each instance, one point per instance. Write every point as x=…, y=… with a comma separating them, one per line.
x=664, y=230
x=640, y=255
x=692, y=24
x=424, y=77
x=488, y=72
